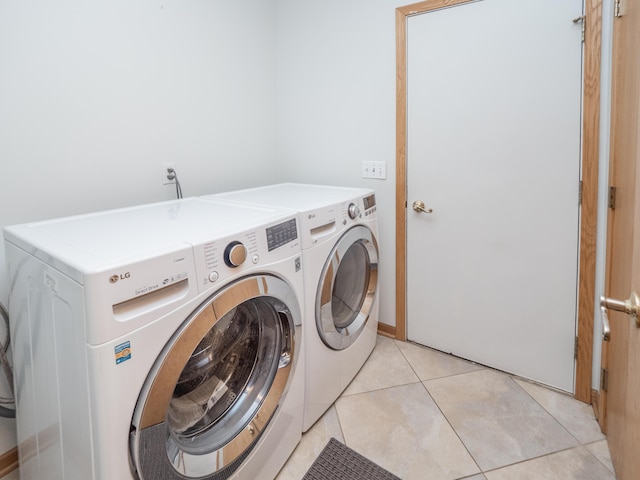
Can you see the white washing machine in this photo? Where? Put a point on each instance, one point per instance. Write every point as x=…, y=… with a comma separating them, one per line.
x=158, y=342
x=340, y=262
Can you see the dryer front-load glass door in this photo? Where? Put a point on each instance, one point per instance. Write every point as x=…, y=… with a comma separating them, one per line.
x=218, y=383
x=347, y=288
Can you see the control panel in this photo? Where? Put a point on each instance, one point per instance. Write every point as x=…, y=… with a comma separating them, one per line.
x=360, y=207
x=281, y=234
x=369, y=203
x=218, y=259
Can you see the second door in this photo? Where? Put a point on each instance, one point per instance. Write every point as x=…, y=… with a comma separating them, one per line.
x=493, y=148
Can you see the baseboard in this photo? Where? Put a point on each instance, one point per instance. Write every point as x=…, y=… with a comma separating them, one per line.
x=387, y=330
x=8, y=462
x=595, y=399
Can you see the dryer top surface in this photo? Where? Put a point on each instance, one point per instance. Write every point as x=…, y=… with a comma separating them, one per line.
x=297, y=196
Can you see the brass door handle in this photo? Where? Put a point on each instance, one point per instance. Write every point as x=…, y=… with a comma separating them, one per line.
x=631, y=307
x=606, y=326
x=418, y=206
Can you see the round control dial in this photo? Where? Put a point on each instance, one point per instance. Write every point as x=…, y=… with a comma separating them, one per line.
x=353, y=211
x=235, y=254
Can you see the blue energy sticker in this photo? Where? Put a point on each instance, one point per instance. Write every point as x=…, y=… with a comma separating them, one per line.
x=123, y=352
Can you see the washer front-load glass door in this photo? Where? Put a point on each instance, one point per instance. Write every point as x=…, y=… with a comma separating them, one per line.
x=347, y=288
x=218, y=383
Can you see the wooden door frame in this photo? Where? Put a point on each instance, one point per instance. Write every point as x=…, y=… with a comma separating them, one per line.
x=588, y=212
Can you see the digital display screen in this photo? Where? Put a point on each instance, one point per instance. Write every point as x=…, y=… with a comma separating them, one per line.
x=370, y=201
x=281, y=234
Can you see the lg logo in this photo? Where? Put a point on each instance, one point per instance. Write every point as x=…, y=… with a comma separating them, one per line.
x=122, y=276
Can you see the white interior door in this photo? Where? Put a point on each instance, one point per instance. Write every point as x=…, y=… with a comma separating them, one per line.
x=493, y=147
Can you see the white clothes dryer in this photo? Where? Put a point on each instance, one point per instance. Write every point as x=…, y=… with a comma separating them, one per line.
x=158, y=342
x=339, y=232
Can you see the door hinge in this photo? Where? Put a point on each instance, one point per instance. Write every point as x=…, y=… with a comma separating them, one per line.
x=575, y=349
x=612, y=198
x=580, y=193
x=604, y=380
x=617, y=8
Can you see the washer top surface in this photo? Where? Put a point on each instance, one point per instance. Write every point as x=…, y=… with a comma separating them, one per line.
x=94, y=241
x=297, y=196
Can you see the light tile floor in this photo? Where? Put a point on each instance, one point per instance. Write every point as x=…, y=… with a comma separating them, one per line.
x=425, y=415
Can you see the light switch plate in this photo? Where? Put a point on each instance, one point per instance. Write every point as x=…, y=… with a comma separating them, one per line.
x=374, y=170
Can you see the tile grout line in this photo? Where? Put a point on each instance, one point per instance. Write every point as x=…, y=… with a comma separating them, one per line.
x=542, y=456
x=422, y=382
x=580, y=444
x=513, y=380
x=597, y=458
x=479, y=365
x=480, y=471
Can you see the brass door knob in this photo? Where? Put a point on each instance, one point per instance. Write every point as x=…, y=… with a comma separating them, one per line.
x=418, y=206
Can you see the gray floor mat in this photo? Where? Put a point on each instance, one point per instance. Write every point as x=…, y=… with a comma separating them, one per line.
x=339, y=462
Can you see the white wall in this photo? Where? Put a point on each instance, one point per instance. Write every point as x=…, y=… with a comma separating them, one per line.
x=95, y=96
x=336, y=104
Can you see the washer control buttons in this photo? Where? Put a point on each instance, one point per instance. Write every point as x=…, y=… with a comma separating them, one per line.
x=353, y=211
x=255, y=259
x=235, y=254
x=213, y=276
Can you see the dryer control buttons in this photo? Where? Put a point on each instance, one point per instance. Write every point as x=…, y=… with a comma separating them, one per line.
x=255, y=258
x=354, y=211
x=235, y=254
x=213, y=276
